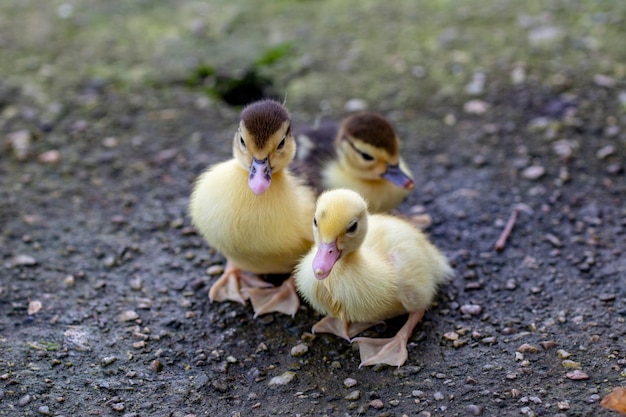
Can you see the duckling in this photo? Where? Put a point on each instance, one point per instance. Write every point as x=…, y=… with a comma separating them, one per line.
x=368, y=268
x=365, y=157
x=255, y=212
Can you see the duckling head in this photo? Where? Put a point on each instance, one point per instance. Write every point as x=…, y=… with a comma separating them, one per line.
x=369, y=148
x=264, y=144
x=339, y=226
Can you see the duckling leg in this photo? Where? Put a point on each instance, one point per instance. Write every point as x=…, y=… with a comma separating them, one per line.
x=228, y=286
x=391, y=351
x=343, y=329
x=283, y=299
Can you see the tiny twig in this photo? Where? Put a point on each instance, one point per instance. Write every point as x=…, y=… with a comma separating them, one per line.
x=499, y=246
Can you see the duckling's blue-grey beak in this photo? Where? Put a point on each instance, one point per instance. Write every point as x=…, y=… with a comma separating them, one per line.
x=260, y=175
x=398, y=177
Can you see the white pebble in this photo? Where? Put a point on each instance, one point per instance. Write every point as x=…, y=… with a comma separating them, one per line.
x=476, y=107
x=299, y=350
x=355, y=104
x=282, y=379
x=34, y=307
x=471, y=309
x=128, y=316
x=534, y=172
x=349, y=382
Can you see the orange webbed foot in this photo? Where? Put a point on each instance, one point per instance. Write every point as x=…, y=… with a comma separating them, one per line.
x=233, y=280
x=283, y=299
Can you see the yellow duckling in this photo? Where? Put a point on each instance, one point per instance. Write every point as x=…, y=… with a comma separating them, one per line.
x=253, y=211
x=365, y=157
x=367, y=268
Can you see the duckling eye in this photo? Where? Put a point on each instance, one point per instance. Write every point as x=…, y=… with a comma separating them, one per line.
x=314, y=222
x=242, y=142
x=367, y=156
x=352, y=227
x=281, y=144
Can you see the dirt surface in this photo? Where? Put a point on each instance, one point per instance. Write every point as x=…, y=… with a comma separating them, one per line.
x=103, y=283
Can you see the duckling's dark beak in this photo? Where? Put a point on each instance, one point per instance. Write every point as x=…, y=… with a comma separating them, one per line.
x=397, y=177
x=260, y=175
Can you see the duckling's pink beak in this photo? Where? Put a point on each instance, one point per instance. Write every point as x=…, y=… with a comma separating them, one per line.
x=395, y=175
x=260, y=175
x=325, y=258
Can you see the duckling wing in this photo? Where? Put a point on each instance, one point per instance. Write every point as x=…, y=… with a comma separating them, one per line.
x=419, y=266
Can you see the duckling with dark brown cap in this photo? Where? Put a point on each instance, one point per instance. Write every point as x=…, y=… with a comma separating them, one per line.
x=361, y=154
x=255, y=212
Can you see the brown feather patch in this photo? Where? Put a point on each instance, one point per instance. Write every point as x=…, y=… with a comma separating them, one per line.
x=263, y=118
x=373, y=129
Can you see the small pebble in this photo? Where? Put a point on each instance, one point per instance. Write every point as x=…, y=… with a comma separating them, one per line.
x=215, y=270
x=477, y=107
x=490, y=340
x=44, y=410
x=128, y=316
x=49, y=157
x=110, y=142
x=34, y=307
x=451, y=336
x=25, y=400
x=109, y=261
x=593, y=398
x=69, y=281
x=23, y=260
x=548, y=344
x=20, y=143
x=562, y=354
x=605, y=152
x=353, y=396
x=606, y=297
x=156, y=365
x=349, y=382
x=471, y=309
x=376, y=404
x=136, y=284
x=511, y=284
x=605, y=81
x=108, y=360
x=526, y=347
x=577, y=375
x=569, y=364
x=355, y=104
x=307, y=337
x=438, y=396
x=534, y=172
x=299, y=350
x=118, y=406
x=473, y=410
x=282, y=379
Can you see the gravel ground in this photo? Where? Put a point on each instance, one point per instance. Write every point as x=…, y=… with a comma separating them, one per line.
x=103, y=283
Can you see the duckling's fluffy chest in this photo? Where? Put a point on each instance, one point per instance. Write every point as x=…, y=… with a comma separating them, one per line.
x=356, y=291
x=261, y=234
